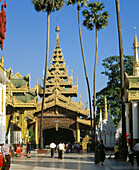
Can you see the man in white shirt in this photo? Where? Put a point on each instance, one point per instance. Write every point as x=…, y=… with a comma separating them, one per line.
x=52, y=147
x=137, y=152
x=61, y=149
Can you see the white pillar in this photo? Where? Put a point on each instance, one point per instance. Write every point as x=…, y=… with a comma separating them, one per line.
x=135, y=119
x=127, y=118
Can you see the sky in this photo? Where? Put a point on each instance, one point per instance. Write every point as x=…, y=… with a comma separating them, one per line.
x=24, y=46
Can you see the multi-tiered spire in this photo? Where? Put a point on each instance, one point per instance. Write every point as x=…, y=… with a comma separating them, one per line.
x=59, y=86
x=58, y=78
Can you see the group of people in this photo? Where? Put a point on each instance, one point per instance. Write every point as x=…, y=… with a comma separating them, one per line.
x=100, y=152
x=60, y=147
x=8, y=150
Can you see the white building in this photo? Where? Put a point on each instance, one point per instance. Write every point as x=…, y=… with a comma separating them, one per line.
x=106, y=128
x=3, y=82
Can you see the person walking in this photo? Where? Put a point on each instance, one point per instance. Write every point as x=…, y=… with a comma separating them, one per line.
x=61, y=149
x=96, y=153
x=137, y=152
x=28, y=150
x=102, y=152
x=6, y=150
x=52, y=147
x=131, y=150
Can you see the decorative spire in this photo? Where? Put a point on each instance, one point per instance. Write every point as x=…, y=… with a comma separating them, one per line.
x=136, y=59
x=100, y=119
x=106, y=112
x=57, y=37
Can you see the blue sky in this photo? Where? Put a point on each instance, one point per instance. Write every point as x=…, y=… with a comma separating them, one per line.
x=25, y=43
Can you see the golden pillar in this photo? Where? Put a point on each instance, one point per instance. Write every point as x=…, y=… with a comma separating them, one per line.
x=23, y=127
x=36, y=134
x=78, y=132
x=7, y=121
x=106, y=112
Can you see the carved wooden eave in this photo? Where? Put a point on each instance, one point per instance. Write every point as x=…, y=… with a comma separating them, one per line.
x=85, y=122
x=53, y=73
x=57, y=99
x=24, y=88
x=133, y=82
x=60, y=81
x=133, y=95
x=71, y=91
x=9, y=99
x=13, y=101
x=60, y=65
x=57, y=59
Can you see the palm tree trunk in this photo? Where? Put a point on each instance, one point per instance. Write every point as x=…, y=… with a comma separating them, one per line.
x=45, y=75
x=94, y=103
x=124, y=144
x=87, y=81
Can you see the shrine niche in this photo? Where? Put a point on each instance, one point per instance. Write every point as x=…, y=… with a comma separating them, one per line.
x=61, y=112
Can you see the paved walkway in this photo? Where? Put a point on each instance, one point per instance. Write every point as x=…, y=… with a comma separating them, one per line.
x=71, y=161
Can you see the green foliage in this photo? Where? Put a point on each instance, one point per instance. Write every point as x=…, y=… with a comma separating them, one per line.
x=81, y=2
x=31, y=135
x=112, y=90
x=95, y=17
x=48, y=5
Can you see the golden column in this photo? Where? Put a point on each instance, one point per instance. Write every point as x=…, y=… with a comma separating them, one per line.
x=106, y=112
x=78, y=132
x=23, y=127
x=36, y=134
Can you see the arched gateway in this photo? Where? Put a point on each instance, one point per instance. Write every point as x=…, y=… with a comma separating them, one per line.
x=61, y=117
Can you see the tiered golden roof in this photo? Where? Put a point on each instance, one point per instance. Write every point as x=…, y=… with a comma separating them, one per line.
x=59, y=86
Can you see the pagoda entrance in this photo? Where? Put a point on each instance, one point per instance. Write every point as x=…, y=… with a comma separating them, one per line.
x=62, y=135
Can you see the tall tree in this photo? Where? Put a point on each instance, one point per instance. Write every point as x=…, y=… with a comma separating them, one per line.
x=95, y=18
x=47, y=6
x=124, y=144
x=80, y=4
x=112, y=90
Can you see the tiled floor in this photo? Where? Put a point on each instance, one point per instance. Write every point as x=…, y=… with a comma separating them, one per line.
x=71, y=161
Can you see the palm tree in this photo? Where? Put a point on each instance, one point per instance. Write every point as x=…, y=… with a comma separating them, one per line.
x=124, y=144
x=47, y=6
x=98, y=19
x=81, y=3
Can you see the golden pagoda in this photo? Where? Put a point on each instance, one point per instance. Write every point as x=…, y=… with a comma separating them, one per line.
x=21, y=103
x=63, y=118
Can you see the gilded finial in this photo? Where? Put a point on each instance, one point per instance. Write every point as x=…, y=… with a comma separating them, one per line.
x=57, y=38
x=37, y=80
x=135, y=29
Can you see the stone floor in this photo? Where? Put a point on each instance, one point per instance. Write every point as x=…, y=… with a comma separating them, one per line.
x=71, y=161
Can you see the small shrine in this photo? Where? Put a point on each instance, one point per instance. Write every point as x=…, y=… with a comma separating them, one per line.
x=63, y=118
x=21, y=103
x=106, y=129
x=132, y=97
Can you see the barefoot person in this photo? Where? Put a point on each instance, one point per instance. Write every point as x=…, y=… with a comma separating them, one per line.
x=52, y=147
x=6, y=150
x=101, y=152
